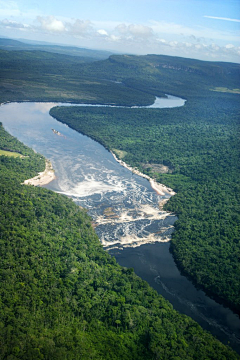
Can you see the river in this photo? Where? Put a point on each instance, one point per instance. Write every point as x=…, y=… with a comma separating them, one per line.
x=124, y=208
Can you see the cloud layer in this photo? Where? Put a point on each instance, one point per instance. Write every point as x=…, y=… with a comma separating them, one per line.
x=158, y=37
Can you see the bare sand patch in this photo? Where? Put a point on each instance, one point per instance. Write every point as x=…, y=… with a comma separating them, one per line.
x=44, y=177
x=159, y=188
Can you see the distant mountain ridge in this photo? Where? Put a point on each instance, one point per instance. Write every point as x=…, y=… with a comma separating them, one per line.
x=10, y=44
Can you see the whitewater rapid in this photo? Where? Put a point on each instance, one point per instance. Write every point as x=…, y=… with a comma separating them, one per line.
x=126, y=210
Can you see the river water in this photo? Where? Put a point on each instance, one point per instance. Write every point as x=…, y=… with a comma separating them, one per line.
x=124, y=208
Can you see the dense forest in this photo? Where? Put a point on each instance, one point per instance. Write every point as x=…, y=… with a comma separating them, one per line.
x=199, y=143
x=84, y=55
x=44, y=76
x=203, y=160
x=63, y=297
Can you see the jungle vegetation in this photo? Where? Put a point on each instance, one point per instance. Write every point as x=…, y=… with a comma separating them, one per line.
x=200, y=145
x=84, y=55
x=43, y=76
x=63, y=297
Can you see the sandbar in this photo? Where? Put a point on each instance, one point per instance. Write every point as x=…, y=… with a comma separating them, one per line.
x=159, y=188
x=44, y=177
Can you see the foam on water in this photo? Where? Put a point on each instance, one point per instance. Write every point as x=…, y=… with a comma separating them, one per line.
x=91, y=187
x=124, y=208
x=133, y=241
x=89, y=174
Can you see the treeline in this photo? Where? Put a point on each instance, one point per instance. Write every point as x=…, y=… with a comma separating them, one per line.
x=49, y=77
x=121, y=79
x=199, y=143
x=26, y=164
x=83, y=54
x=159, y=74
x=63, y=297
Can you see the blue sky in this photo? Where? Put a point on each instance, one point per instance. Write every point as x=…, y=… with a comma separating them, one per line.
x=202, y=29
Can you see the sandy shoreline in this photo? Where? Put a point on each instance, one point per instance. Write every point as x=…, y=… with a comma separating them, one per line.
x=159, y=188
x=44, y=177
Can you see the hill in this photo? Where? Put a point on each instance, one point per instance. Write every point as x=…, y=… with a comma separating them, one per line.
x=44, y=76
x=83, y=53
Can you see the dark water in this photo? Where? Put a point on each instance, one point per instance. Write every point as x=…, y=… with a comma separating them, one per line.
x=155, y=264
x=124, y=207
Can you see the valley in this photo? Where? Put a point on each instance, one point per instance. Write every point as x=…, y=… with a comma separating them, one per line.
x=198, y=142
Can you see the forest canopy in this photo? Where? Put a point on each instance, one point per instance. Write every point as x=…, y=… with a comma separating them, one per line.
x=61, y=295
x=199, y=144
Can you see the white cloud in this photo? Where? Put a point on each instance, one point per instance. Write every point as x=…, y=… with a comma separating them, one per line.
x=102, y=32
x=214, y=47
x=221, y=18
x=140, y=30
x=188, y=45
x=200, y=50
x=198, y=33
x=79, y=27
x=13, y=24
x=153, y=37
x=115, y=38
x=173, y=43
x=229, y=46
x=134, y=31
x=122, y=29
x=50, y=23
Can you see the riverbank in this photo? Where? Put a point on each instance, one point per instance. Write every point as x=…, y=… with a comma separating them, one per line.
x=59, y=151
x=44, y=177
x=155, y=264
x=159, y=188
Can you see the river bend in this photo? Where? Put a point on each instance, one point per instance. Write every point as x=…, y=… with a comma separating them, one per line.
x=124, y=207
